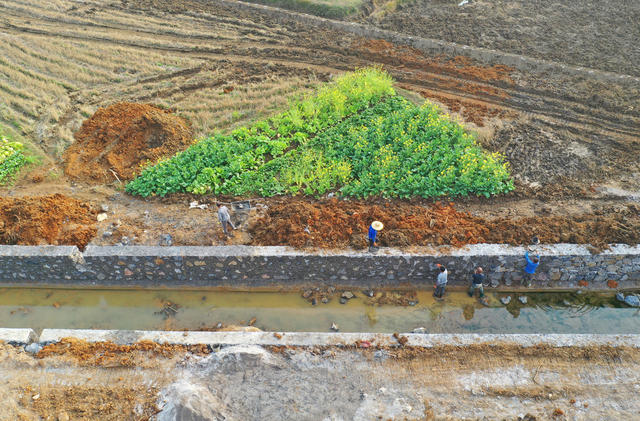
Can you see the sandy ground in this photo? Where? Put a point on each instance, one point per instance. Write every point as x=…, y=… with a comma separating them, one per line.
x=255, y=383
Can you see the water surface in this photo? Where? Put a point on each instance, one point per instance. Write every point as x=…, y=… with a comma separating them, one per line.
x=287, y=311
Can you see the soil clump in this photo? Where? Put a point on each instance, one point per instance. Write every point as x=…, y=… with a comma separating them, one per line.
x=55, y=219
x=109, y=354
x=341, y=224
x=113, y=143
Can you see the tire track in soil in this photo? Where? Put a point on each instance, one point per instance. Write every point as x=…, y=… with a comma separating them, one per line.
x=426, y=73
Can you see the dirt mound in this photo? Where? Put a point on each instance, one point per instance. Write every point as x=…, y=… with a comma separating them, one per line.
x=116, y=140
x=342, y=224
x=55, y=219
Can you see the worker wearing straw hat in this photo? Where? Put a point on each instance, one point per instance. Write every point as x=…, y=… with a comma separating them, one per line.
x=373, y=232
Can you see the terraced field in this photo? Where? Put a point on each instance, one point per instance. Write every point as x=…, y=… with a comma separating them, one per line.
x=571, y=134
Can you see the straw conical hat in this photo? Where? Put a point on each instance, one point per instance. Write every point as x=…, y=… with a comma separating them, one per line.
x=377, y=225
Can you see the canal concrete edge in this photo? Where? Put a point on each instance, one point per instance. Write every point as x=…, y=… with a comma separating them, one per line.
x=18, y=336
x=308, y=339
x=564, y=266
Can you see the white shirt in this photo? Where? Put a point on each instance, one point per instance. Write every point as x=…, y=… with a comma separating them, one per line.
x=442, y=278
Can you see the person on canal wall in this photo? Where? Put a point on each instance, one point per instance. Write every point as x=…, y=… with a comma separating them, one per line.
x=530, y=269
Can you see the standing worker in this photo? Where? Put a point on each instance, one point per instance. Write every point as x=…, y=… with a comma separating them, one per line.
x=373, y=232
x=225, y=219
x=441, y=281
x=530, y=270
x=476, y=282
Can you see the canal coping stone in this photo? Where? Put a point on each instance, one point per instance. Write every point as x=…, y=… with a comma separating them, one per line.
x=268, y=251
x=336, y=339
x=17, y=335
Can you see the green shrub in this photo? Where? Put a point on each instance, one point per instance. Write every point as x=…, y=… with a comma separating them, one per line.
x=355, y=135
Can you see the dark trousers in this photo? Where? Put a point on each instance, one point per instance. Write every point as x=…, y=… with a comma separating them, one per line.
x=439, y=292
x=527, y=278
x=224, y=227
x=475, y=287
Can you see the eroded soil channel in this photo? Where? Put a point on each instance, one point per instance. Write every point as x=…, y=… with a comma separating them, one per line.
x=385, y=311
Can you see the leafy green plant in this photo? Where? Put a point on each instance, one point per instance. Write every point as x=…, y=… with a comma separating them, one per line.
x=241, y=156
x=400, y=150
x=12, y=158
x=355, y=135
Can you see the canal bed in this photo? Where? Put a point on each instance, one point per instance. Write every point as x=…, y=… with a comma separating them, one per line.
x=164, y=309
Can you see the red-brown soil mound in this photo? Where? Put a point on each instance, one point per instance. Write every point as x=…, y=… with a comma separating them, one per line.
x=55, y=219
x=116, y=140
x=341, y=224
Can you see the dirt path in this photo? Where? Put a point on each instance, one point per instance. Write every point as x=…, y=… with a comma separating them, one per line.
x=250, y=382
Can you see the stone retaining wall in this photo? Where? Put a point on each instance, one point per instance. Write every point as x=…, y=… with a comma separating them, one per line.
x=562, y=266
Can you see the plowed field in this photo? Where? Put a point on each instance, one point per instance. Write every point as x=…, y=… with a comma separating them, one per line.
x=571, y=134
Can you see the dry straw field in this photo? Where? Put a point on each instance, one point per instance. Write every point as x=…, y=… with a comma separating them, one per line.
x=62, y=60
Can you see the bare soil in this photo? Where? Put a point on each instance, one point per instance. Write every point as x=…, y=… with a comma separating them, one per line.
x=497, y=381
x=116, y=141
x=54, y=219
x=343, y=224
x=590, y=33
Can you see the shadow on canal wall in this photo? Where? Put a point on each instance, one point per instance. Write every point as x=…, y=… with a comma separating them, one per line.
x=562, y=266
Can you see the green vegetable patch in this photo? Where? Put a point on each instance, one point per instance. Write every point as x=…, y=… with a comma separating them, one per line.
x=356, y=136
x=12, y=158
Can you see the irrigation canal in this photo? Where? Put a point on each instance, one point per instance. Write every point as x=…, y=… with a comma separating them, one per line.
x=165, y=309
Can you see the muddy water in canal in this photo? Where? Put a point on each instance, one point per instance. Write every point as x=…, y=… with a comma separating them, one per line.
x=288, y=311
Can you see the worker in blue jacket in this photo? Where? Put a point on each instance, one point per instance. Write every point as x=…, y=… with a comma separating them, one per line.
x=373, y=232
x=530, y=269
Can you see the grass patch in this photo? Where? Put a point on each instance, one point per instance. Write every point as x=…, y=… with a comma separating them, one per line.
x=333, y=9
x=355, y=136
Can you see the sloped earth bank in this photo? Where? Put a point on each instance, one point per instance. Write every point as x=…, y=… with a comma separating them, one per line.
x=71, y=381
x=113, y=143
x=54, y=219
x=573, y=139
x=341, y=224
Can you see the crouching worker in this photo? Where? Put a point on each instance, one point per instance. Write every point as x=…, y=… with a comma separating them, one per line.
x=476, y=282
x=373, y=233
x=441, y=282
